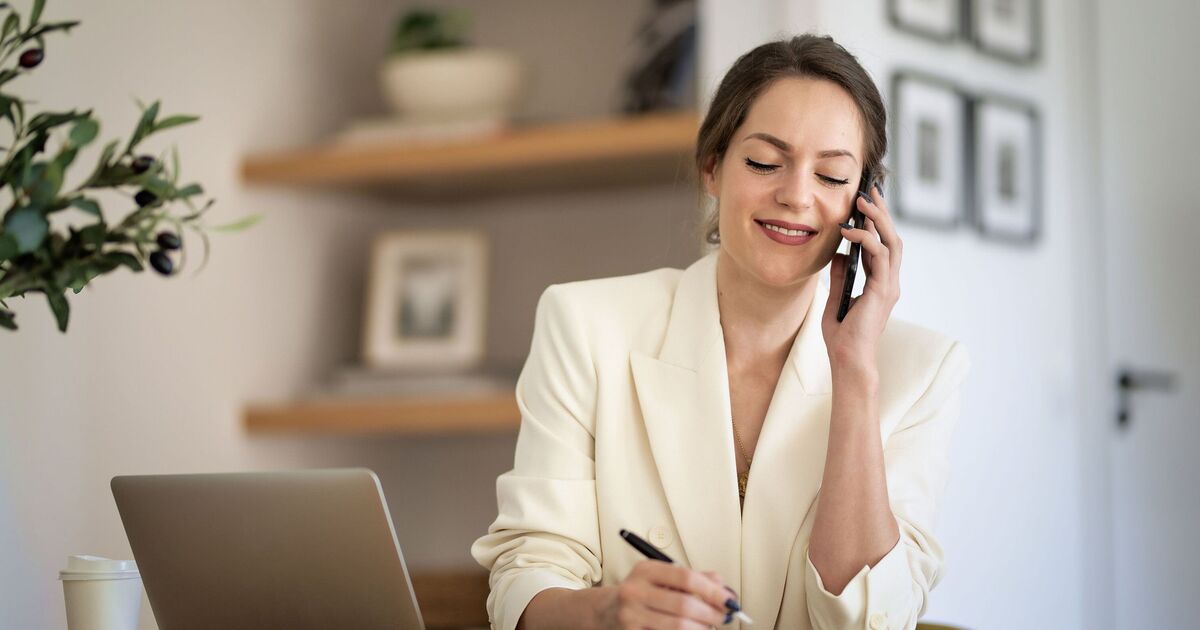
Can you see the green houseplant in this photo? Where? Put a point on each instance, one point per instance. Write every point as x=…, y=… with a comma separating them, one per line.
x=432, y=72
x=56, y=238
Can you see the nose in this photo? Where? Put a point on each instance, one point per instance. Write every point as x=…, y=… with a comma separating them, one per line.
x=796, y=192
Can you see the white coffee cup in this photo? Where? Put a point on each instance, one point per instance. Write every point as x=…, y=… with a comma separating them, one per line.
x=101, y=594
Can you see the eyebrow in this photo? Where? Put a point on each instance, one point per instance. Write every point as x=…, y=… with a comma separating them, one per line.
x=787, y=148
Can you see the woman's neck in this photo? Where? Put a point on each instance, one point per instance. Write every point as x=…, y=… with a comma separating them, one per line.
x=759, y=321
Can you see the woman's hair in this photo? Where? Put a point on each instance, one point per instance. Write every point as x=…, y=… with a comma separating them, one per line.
x=802, y=56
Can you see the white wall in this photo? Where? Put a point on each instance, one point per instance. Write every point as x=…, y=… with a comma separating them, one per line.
x=153, y=373
x=1021, y=550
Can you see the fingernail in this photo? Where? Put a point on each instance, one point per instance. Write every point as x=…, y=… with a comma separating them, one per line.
x=847, y=225
x=879, y=189
x=728, y=618
x=731, y=604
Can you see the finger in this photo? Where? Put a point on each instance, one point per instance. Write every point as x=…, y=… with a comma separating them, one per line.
x=687, y=580
x=875, y=208
x=677, y=605
x=872, y=245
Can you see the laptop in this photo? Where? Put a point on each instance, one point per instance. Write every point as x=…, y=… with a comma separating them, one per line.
x=304, y=550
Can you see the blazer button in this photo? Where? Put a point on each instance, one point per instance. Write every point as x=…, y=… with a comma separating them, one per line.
x=660, y=536
x=878, y=621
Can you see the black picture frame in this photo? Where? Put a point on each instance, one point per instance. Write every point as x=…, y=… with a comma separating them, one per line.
x=910, y=154
x=975, y=11
x=993, y=169
x=952, y=33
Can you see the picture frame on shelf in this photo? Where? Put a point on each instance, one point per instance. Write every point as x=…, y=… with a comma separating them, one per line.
x=929, y=135
x=1006, y=29
x=1006, y=164
x=936, y=20
x=426, y=301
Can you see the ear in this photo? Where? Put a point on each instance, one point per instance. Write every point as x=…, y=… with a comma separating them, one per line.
x=709, y=174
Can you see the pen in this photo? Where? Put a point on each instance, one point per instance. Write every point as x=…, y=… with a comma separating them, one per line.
x=652, y=552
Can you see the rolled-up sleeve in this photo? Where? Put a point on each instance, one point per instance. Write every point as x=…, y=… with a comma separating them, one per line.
x=894, y=593
x=546, y=534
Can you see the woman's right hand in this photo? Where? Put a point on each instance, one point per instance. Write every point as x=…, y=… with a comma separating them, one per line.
x=668, y=596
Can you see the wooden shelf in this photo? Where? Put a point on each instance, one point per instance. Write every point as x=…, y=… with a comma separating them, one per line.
x=651, y=148
x=477, y=413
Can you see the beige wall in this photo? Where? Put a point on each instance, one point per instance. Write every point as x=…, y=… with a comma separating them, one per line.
x=153, y=374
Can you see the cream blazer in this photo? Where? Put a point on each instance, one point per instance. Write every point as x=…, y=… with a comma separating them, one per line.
x=625, y=423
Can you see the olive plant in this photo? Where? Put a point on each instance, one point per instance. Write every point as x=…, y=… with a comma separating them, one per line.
x=82, y=244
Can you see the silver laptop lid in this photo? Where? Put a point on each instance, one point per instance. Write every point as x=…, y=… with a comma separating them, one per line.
x=298, y=549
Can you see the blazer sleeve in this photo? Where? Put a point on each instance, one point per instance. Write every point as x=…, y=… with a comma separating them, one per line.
x=547, y=533
x=895, y=592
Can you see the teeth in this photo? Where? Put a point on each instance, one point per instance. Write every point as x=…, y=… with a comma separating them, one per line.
x=785, y=231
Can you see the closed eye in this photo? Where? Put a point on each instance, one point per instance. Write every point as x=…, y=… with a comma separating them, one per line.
x=761, y=168
x=832, y=180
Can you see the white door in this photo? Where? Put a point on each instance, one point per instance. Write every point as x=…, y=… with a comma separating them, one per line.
x=1149, y=189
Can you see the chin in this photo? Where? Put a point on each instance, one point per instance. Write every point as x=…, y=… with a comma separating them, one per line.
x=779, y=270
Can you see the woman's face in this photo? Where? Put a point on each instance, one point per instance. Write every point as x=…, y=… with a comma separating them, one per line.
x=795, y=161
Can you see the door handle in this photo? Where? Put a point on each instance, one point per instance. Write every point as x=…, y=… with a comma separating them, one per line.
x=1130, y=380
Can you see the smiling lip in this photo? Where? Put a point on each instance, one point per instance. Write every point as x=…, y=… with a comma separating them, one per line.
x=784, y=238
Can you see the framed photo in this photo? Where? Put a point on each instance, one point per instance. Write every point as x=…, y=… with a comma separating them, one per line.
x=1007, y=163
x=1008, y=29
x=426, y=301
x=939, y=20
x=929, y=163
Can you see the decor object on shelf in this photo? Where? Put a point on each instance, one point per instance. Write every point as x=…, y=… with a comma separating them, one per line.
x=1007, y=29
x=1007, y=163
x=440, y=86
x=929, y=132
x=426, y=301
x=36, y=257
x=939, y=20
x=663, y=72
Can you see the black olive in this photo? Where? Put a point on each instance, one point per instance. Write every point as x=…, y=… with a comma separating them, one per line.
x=145, y=198
x=161, y=262
x=168, y=240
x=142, y=163
x=31, y=57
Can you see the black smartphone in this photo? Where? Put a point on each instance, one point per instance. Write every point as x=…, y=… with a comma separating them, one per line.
x=858, y=220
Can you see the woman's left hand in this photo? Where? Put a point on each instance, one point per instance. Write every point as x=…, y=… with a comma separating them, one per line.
x=856, y=337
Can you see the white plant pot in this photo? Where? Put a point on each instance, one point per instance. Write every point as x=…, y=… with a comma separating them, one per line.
x=453, y=85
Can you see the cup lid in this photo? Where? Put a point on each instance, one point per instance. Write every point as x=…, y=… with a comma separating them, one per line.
x=85, y=567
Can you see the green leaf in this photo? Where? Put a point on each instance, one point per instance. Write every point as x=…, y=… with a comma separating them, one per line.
x=240, y=224
x=62, y=310
x=87, y=205
x=49, y=120
x=42, y=29
x=123, y=258
x=106, y=156
x=84, y=132
x=191, y=190
x=12, y=24
x=94, y=234
x=46, y=181
x=8, y=246
x=28, y=227
x=36, y=12
x=174, y=121
x=144, y=126
x=8, y=319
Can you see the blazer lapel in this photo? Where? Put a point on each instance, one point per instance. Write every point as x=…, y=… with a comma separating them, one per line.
x=684, y=397
x=789, y=462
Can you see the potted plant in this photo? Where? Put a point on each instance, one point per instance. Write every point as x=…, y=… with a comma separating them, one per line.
x=432, y=74
x=56, y=237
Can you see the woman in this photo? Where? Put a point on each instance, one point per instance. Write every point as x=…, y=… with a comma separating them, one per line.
x=703, y=409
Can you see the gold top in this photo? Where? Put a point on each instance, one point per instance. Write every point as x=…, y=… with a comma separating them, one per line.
x=743, y=477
